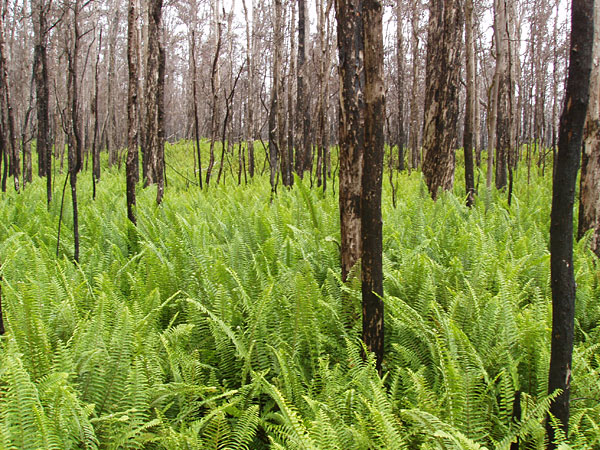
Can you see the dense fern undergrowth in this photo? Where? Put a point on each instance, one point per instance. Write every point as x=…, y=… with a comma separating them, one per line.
x=222, y=322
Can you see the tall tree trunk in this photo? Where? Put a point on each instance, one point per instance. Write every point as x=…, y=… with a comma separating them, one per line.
x=351, y=128
x=249, y=92
x=561, y=221
x=469, y=104
x=303, y=150
x=111, y=127
x=371, y=223
x=414, y=109
x=441, y=95
x=589, y=190
x=504, y=119
x=154, y=92
x=215, y=84
x=132, y=126
x=195, y=105
x=291, y=140
x=42, y=95
x=275, y=131
x=75, y=148
x=400, y=82
x=96, y=113
x=5, y=91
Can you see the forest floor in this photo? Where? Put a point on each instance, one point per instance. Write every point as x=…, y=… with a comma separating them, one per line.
x=221, y=322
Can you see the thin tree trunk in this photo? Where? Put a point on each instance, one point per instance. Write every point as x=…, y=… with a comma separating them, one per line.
x=195, y=109
x=561, y=222
x=132, y=125
x=303, y=150
x=400, y=82
x=215, y=84
x=469, y=104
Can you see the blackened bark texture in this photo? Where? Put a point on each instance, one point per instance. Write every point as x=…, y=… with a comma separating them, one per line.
x=75, y=147
x=154, y=92
x=400, y=80
x=561, y=222
x=415, y=154
x=469, y=104
x=371, y=224
x=303, y=151
x=195, y=106
x=249, y=93
x=5, y=92
x=440, y=134
x=351, y=129
x=132, y=119
x=291, y=118
x=42, y=93
x=111, y=127
x=504, y=119
x=589, y=189
x=95, y=112
x=215, y=84
x=275, y=150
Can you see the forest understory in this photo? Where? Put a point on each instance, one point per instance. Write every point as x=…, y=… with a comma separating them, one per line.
x=221, y=321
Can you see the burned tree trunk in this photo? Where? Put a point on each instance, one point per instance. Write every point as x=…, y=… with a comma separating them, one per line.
x=5, y=92
x=400, y=81
x=351, y=129
x=132, y=119
x=154, y=90
x=561, y=222
x=504, y=119
x=589, y=190
x=275, y=149
x=303, y=151
x=370, y=205
x=441, y=96
x=75, y=148
x=469, y=104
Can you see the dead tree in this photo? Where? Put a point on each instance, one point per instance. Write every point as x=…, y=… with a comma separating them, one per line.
x=440, y=135
x=351, y=128
x=589, y=190
x=562, y=275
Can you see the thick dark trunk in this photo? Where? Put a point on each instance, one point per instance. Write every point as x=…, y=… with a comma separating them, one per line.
x=561, y=222
x=371, y=223
x=195, y=108
x=589, y=188
x=441, y=95
x=400, y=67
x=351, y=129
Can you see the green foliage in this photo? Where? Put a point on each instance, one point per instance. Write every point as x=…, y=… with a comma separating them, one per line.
x=221, y=322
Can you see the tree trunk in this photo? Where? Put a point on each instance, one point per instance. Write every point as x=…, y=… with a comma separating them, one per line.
x=111, y=127
x=249, y=93
x=504, y=119
x=154, y=133
x=371, y=223
x=275, y=131
x=303, y=150
x=468, y=138
x=414, y=109
x=215, y=84
x=96, y=113
x=589, y=190
x=5, y=91
x=75, y=148
x=441, y=95
x=351, y=129
x=561, y=222
x=400, y=81
x=132, y=126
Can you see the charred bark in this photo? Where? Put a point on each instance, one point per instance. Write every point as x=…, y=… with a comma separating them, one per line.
x=371, y=223
x=441, y=95
x=561, y=221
